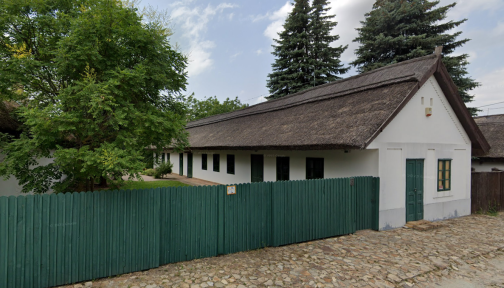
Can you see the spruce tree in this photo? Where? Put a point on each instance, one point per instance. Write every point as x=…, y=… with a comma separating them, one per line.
x=324, y=59
x=304, y=57
x=398, y=30
x=291, y=70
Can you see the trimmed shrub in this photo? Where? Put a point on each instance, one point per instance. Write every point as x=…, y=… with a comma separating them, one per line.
x=162, y=169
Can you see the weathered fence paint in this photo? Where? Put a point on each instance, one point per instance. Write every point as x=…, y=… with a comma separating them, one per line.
x=487, y=191
x=50, y=240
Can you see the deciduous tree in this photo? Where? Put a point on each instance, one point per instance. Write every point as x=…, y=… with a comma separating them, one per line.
x=95, y=82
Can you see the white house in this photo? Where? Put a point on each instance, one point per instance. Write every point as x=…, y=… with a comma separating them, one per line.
x=493, y=129
x=404, y=123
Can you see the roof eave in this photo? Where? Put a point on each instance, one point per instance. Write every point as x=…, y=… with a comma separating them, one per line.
x=479, y=143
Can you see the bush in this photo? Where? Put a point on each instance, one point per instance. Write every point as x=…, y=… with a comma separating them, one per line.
x=162, y=169
x=149, y=172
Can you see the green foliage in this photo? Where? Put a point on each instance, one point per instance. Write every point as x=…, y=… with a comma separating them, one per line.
x=396, y=31
x=304, y=57
x=197, y=109
x=149, y=172
x=163, y=169
x=88, y=75
x=153, y=184
x=493, y=208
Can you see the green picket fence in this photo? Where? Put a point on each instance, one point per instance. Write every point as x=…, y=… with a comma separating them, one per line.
x=58, y=239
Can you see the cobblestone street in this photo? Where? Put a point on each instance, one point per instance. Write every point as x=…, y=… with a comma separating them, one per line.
x=465, y=252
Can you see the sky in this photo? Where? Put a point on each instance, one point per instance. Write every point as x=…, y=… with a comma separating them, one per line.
x=228, y=43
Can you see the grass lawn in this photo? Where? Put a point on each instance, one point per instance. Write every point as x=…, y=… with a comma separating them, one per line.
x=152, y=184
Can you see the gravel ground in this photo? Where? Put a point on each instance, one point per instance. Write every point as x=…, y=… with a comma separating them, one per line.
x=464, y=252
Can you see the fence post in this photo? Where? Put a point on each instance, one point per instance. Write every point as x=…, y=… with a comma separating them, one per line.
x=220, y=216
x=376, y=203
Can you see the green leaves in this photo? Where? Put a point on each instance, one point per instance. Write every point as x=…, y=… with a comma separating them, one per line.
x=91, y=91
x=197, y=109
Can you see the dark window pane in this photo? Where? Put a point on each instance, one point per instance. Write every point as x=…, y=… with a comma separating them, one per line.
x=216, y=162
x=203, y=161
x=314, y=168
x=282, y=168
x=168, y=156
x=230, y=164
x=163, y=157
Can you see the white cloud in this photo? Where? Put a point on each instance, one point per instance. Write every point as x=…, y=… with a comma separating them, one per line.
x=490, y=91
x=259, y=52
x=261, y=99
x=278, y=19
x=465, y=7
x=194, y=22
x=232, y=57
x=200, y=57
x=348, y=13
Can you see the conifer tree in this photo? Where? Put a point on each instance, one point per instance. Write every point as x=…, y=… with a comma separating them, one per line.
x=324, y=59
x=304, y=57
x=398, y=30
x=291, y=70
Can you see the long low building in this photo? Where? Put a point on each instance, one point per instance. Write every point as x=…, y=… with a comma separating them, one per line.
x=404, y=123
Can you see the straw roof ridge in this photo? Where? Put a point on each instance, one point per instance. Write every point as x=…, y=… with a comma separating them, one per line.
x=344, y=114
x=492, y=127
x=337, y=88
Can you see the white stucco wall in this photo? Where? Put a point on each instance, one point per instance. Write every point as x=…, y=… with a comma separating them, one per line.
x=10, y=187
x=337, y=163
x=486, y=166
x=412, y=135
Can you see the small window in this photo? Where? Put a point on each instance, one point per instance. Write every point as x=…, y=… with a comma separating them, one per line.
x=314, y=168
x=168, y=157
x=216, y=162
x=204, y=161
x=444, y=175
x=163, y=158
x=282, y=168
x=230, y=164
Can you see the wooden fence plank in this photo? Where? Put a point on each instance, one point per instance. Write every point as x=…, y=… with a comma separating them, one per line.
x=487, y=191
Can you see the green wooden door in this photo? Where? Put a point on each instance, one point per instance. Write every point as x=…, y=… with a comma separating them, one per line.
x=189, y=165
x=257, y=168
x=414, y=189
x=181, y=164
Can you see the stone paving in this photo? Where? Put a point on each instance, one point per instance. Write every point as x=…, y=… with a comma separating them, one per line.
x=467, y=250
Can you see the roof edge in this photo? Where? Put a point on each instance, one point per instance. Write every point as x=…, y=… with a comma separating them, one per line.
x=450, y=91
x=392, y=81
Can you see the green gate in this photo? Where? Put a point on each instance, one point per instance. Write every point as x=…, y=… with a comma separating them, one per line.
x=414, y=189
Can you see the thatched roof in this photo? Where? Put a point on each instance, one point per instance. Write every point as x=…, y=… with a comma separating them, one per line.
x=348, y=113
x=493, y=128
x=7, y=122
